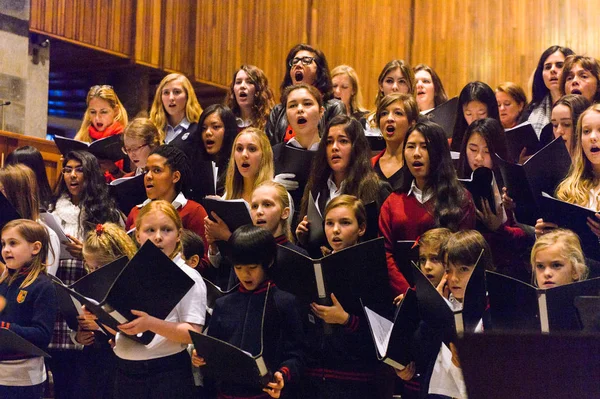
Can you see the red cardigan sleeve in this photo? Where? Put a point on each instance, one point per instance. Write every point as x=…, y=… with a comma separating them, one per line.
x=398, y=282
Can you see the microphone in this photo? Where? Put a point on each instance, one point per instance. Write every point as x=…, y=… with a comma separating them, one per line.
x=4, y=103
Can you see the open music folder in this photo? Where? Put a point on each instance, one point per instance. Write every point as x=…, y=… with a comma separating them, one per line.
x=149, y=282
x=230, y=364
x=107, y=148
x=392, y=338
x=516, y=305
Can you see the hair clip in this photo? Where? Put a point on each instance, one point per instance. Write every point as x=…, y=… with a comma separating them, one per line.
x=99, y=229
x=416, y=244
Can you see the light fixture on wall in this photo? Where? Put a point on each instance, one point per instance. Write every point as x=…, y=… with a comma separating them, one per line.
x=39, y=46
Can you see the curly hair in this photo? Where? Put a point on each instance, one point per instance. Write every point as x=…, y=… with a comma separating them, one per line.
x=108, y=94
x=97, y=204
x=264, y=100
x=323, y=79
x=192, y=106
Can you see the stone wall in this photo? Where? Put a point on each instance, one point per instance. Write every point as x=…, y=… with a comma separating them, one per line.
x=24, y=71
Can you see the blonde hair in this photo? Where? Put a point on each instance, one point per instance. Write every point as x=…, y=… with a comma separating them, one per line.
x=168, y=210
x=106, y=93
x=31, y=232
x=20, y=186
x=577, y=186
x=435, y=237
x=283, y=198
x=193, y=110
x=234, y=183
x=144, y=129
x=571, y=251
x=356, y=101
x=351, y=202
x=108, y=242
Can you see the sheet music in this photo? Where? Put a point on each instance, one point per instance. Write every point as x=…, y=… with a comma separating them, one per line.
x=381, y=329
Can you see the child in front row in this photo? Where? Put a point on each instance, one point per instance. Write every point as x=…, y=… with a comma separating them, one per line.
x=341, y=364
x=460, y=254
x=557, y=259
x=106, y=243
x=30, y=306
x=237, y=317
x=432, y=265
x=161, y=369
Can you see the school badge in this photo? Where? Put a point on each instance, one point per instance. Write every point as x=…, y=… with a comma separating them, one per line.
x=21, y=297
x=185, y=136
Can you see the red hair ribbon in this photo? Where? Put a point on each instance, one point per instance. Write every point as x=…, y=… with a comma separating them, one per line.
x=99, y=229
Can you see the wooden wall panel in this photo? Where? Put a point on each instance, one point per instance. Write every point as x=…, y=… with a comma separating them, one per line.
x=363, y=34
x=148, y=30
x=258, y=32
x=496, y=41
x=179, y=36
x=103, y=24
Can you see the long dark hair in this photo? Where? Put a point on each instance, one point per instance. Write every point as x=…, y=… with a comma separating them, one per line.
x=493, y=134
x=31, y=156
x=96, y=204
x=361, y=181
x=473, y=91
x=323, y=79
x=230, y=124
x=449, y=196
x=538, y=88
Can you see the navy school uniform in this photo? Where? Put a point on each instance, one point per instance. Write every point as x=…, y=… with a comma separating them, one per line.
x=237, y=319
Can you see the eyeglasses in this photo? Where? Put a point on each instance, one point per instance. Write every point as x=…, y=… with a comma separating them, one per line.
x=67, y=170
x=305, y=60
x=128, y=151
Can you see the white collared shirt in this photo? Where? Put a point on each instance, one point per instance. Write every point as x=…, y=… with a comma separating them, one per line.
x=295, y=143
x=173, y=132
x=334, y=191
x=418, y=193
x=179, y=202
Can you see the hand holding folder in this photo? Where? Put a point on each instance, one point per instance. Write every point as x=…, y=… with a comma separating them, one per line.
x=150, y=283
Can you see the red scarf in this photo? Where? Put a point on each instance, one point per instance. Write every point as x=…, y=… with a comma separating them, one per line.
x=115, y=128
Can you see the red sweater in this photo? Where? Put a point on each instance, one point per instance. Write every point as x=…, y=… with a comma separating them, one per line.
x=192, y=216
x=402, y=217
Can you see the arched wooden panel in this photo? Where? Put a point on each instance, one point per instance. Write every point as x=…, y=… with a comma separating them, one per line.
x=364, y=34
x=103, y=24
x=258, y=32
x=496, y=41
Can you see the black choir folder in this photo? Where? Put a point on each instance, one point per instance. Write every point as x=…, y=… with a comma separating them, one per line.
x=572, y=217
x=230, y=364
x=481, y=186
x=297, y=161
x=128, y=192
x=352, y=274
x=392, y=339
x=515, y=305
x=107, y=148
x=436, y=312
x=235, y=213
x=542, y=172
x=214, y=292
x=588, y=309
x=519, y=137
x=149, y=282
x=445, y=115
x=12, y=344
x=406, y=252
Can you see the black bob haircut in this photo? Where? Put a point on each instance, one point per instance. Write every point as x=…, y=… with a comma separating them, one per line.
x=252, y=245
